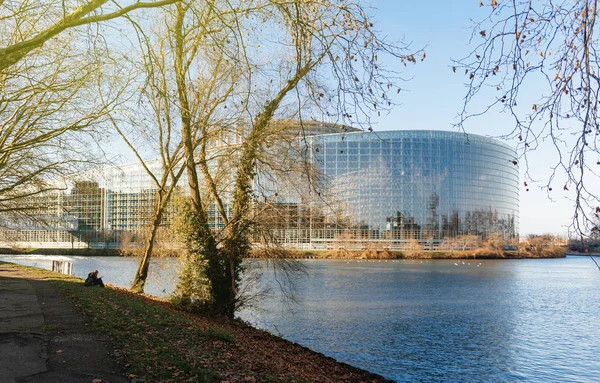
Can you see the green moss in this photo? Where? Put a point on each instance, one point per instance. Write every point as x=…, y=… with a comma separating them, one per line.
x=220, y=334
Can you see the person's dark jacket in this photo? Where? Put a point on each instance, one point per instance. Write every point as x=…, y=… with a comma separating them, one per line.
x=93, y=280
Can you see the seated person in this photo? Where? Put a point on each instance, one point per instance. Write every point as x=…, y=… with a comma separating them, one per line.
x=93, y=280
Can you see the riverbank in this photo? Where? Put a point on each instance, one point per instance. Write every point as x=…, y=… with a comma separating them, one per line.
x=155, y=341
x=326, y=254
x=556, y=252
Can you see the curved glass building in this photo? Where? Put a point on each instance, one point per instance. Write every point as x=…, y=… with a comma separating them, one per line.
x=395, y=186
x=336, y=187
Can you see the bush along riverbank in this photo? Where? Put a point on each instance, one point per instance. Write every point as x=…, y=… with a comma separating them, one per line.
x=157, y=342
x=554, y=252
x=543, y=246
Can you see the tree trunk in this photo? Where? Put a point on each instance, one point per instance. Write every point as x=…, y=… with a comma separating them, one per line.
x=139, y=281
x=201, y=231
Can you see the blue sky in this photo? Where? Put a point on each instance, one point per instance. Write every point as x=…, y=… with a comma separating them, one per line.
x=433, y=97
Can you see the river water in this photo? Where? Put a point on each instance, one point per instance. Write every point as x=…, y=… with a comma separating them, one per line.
x=425, y=321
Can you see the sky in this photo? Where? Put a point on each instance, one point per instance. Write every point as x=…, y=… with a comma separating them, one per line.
x=433, y=97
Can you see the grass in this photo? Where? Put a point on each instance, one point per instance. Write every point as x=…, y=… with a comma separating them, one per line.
x=160, y=343
x=220, y=334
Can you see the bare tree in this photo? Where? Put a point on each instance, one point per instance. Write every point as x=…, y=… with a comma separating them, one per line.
x=552, y=48
x=30, y=24
x=283, y=73
x=50, y=121
x=151, y=123
x=158, y=116
x=50, y=117
x=544, y=246
x=218, y=75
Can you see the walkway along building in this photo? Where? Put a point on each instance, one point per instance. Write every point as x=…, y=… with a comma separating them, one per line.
x=376, y=189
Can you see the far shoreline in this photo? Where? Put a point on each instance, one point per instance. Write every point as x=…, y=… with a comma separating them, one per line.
x=323, y=254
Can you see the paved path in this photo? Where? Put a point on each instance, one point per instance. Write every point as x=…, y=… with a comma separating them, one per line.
x=43, y=339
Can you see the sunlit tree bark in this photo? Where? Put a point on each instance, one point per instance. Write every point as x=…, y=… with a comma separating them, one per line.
x=35, y=23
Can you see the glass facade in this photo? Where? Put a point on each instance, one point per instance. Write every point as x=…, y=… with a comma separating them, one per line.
x=377, y=189
x=426, y=185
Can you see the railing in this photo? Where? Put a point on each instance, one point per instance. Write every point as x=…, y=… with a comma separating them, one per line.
x=62, y=267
